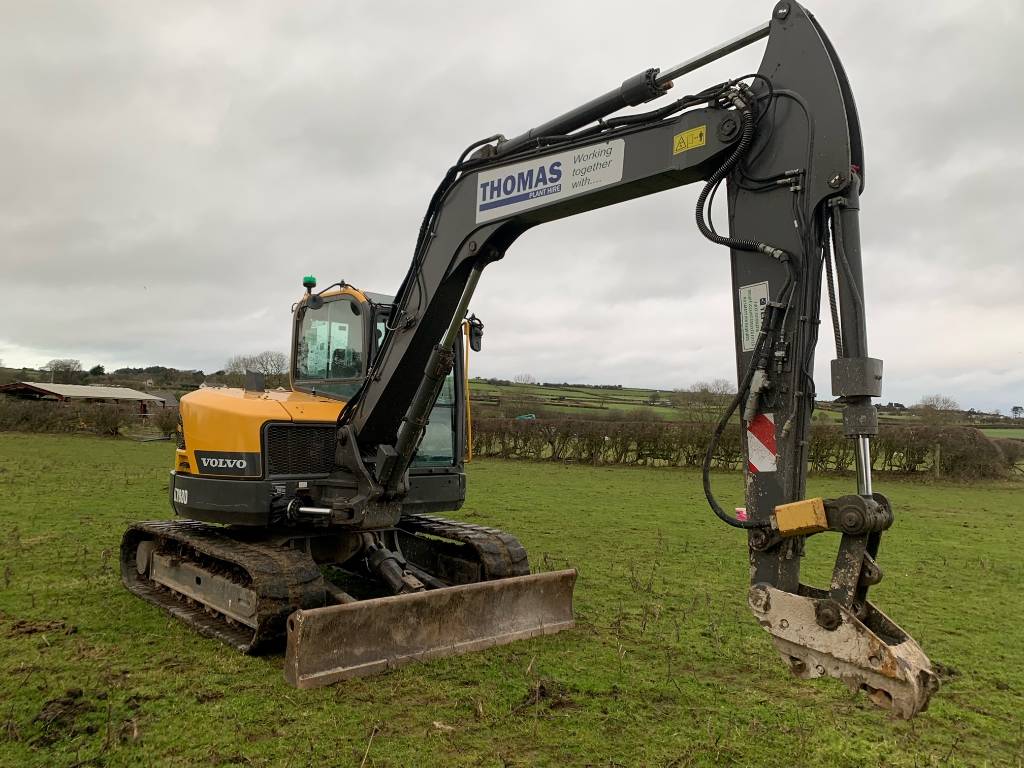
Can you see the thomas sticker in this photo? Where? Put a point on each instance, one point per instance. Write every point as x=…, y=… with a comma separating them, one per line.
x=514, y=188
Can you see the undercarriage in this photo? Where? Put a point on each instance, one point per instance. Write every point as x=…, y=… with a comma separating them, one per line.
x=462, y=587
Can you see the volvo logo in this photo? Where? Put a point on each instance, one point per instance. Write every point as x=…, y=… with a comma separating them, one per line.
x=224, y=463
x=232, y=463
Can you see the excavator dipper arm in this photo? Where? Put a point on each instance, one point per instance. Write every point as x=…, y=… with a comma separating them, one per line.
x=786, y=141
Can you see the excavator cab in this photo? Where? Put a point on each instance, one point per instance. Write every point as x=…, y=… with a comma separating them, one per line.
x=331, y=338
x=336, y=335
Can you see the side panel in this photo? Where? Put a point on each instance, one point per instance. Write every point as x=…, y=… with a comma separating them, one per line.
x=222, y=431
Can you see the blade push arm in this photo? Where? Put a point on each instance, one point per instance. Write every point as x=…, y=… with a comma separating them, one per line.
x=786, y=141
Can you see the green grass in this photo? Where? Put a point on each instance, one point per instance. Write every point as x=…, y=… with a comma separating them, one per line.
x=593, y=403
x=1014, y=432
x=666, y=666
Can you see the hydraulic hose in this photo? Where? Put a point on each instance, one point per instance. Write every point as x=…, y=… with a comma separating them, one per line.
x=723, y=422
x=767, y=329
x=746, y=140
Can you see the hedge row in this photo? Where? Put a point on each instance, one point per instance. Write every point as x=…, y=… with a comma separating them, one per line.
x=104, y=419
x=960, y=452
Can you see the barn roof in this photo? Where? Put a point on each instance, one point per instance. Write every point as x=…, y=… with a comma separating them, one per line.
x=77, y=391
x=168, y=397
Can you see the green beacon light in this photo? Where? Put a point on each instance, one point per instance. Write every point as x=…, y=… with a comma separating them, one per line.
x=309, y=283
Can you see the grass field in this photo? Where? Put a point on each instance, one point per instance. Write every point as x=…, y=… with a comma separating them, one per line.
x=579, y=402
x=665, y=668
x=1016, y=433
x=594, y=402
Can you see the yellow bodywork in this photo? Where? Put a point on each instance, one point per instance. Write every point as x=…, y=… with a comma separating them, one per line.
x=229, y=419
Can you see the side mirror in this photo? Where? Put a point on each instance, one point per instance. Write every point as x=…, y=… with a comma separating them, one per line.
x=476, y=333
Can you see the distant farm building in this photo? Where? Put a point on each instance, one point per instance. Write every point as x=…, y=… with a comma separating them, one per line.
x=79, y=393
x=170, y=401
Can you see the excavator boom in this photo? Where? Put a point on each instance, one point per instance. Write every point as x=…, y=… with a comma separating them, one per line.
x=786, y=142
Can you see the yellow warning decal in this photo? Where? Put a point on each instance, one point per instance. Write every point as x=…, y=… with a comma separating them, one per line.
x=691, y=139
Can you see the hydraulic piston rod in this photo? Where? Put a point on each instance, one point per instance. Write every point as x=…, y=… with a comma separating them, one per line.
x=759, y=32
x=863, y=449
x=639, y=89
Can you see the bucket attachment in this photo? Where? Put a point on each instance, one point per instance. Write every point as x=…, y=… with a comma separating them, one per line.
x=872, y=655
x=326, y=645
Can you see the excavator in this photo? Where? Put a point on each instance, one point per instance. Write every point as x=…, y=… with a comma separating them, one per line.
x=311, y=515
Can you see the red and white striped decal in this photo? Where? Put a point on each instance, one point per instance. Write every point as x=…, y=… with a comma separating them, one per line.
x=762, y=454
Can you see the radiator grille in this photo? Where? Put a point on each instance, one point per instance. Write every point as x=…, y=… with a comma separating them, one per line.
x=300, y=450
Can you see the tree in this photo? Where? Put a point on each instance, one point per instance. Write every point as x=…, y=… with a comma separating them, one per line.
x=273, y=366
x=938, y=409
x=524, y=378
x=97, y=370
x=1017, y=411
x=705, y=399
x=64, y=370
x=940, y=403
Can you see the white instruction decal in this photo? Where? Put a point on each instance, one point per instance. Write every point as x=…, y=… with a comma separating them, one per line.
x=753, y=301
x=514, y=188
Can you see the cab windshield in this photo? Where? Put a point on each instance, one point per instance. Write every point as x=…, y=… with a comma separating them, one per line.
x=329, y=348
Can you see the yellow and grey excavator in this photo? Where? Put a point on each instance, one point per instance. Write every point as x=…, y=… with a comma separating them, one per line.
x=301, y=508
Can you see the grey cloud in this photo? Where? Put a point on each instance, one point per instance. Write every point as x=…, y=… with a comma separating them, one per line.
x=171, y=171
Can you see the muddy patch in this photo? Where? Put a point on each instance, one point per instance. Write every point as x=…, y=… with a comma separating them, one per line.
x=59, y=717
x=547, y=693
x=945, y=672
x=21, y=627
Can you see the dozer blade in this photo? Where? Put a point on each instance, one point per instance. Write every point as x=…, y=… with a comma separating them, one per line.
x=326, y=645
x=873, y=655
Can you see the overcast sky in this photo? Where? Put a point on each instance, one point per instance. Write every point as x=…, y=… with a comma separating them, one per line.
x=171, y=171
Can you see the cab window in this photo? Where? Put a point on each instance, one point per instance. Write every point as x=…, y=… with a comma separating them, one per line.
x=437, y=449
x=329, y=347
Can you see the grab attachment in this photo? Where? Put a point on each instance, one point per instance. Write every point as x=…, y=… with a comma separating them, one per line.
x=873, y=655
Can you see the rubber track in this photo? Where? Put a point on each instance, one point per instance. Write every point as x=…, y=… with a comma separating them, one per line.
x=283, y=579
x=500, y=553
